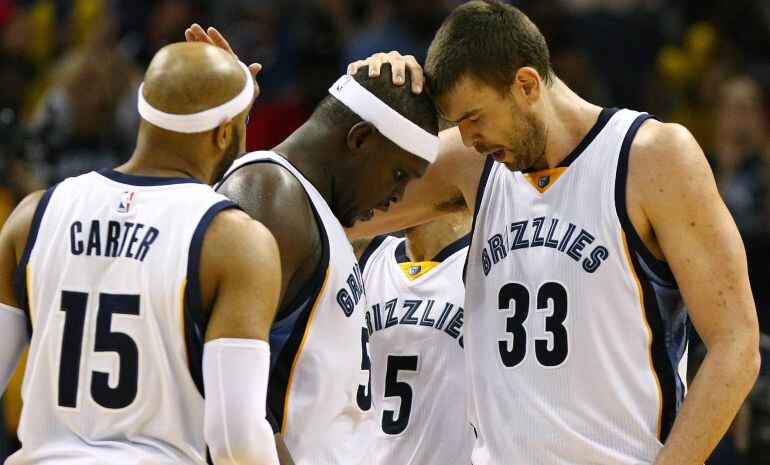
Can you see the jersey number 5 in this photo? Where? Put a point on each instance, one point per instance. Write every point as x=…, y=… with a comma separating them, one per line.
x=513, y=349
x=74, y=306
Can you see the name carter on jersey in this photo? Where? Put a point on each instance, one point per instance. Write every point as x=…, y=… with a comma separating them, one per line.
x=121, y=239
x=411, y=316
x=519, y=236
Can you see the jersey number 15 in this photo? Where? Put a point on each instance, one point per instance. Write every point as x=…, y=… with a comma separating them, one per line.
x=74, y=306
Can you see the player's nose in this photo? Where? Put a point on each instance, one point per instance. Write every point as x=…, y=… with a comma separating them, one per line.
x=466, y=133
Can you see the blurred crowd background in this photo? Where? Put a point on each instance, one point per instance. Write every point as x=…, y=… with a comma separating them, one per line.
x=70, y=69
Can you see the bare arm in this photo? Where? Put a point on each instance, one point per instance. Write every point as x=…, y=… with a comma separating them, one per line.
x=449, y=185
x=267, y=192
x=699, y=239
x=240, y=277
x=13, y=321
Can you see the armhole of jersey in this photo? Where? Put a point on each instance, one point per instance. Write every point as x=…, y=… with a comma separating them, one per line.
x=659, y=269
x=645, y=267
x=195, y=319
x=20, y=279
x=295, y=323
x=370, y=249
x=488, y=164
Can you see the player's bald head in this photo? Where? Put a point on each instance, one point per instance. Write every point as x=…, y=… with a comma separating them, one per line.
x=189, y=77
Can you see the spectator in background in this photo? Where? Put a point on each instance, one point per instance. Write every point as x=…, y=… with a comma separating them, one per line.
x=78, y=126
x=741, y=162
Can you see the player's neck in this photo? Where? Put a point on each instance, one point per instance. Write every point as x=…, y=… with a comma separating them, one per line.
x=568, y=119
x=152, y=158
x=425, y=241
x=308, y=150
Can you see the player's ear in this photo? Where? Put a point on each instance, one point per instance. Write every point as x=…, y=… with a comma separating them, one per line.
x=359, y=136
x=224, y=134
x=527, y=84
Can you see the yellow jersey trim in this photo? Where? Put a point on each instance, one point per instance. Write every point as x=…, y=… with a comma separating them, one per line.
x=299, y=351
x=649, y=330
x=182, y=323
x=29, y=296
x=550, y=175
x=423, y=268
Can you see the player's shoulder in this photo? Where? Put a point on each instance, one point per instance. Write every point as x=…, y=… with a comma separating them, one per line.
x=19, y=222
x=233, y=240
x=267, y=189
x=233, y=226
x=263, y=177
x=658, y=145
x=666, y=164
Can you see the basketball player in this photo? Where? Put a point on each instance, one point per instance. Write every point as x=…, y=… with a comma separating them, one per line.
x=121, y=275
x=356, y=153
x=415, y=318
x=590, y=226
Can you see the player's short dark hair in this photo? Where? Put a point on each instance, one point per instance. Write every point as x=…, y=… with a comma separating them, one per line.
x=485, y=40
x=418, y=109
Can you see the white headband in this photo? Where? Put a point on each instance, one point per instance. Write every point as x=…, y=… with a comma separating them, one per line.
x=204, y=120
x=388, y=121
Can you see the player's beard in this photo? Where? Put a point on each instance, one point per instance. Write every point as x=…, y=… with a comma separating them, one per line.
x=527, y=141
x=231, y=153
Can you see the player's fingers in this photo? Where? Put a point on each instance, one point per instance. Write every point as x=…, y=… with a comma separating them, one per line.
x=398, y=67
x=200, y=35
x=375, y=62
x=188, y=35
x=353, y=67
x=415, y=70
x=219, y=40
x=254, y=69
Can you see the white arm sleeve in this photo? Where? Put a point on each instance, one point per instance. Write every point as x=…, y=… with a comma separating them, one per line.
x=13, y=340
x=235, y=374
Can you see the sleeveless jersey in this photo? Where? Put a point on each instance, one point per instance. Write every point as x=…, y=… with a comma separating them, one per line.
x=574, y=331
x=419, y=385
x=318, y=391
x=110, y=283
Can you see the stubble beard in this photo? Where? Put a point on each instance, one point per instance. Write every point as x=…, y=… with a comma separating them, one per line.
x=528, y=143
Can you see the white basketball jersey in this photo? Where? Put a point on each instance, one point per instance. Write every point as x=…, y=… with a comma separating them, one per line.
x=419, y=385
x=574, y=331
x=318, y=392
x=110, y=283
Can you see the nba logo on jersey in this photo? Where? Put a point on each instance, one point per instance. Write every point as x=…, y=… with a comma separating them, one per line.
x=125, y=202
x=414, y=269
x=543, y=181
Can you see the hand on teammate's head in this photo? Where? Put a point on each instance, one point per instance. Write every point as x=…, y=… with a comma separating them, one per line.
x=399, y=64
x=195, y=33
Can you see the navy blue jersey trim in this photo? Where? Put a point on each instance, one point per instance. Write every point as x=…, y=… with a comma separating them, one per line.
x=195, y=318
x=137, y=180
x=479, y=195
x=304, y=301
x=400, y=252
x=659, y=268
x=374, y=244
x=316, y=279
x=601, y=121
x=453, y=248
x=20, y=279
x=666, y=373
x=446, y=252
x=280, y=375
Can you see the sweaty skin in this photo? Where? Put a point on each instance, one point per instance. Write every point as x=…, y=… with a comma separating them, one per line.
x=673, y=204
